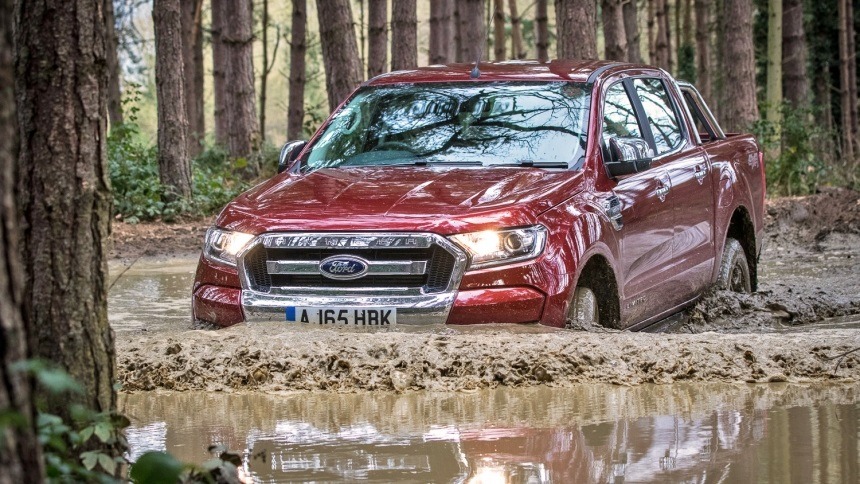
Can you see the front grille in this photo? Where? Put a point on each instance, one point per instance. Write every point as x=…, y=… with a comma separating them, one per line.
x=440, y=267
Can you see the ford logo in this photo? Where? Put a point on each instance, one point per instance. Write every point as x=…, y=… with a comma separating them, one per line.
x=344, y=267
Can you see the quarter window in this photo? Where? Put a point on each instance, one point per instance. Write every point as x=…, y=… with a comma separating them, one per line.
x=660, y=113
x=619, y=117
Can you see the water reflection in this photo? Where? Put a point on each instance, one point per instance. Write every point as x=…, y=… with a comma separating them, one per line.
x=151, y=294
x=677, y=433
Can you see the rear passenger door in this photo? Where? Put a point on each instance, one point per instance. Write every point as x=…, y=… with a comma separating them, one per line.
x=677, y=150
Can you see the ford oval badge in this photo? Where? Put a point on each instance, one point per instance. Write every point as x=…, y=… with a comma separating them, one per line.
x=344, y=267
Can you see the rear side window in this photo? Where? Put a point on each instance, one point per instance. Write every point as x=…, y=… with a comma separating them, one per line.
x=619, y=117
x=660, y=113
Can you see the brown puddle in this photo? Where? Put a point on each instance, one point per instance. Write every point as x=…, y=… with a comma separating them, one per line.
x=587, y=433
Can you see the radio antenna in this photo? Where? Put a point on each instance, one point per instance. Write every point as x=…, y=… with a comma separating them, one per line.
x=476, y=72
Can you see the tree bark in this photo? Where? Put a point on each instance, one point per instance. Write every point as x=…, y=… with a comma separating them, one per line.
x=339, y=49
x=174, y=167
x=458, y=40
x=517, y=50
x=576, y=26
x=738, y=104
x=662, y=50
x=631, y=30
x=298, y=47
x=20, y=453
x=236, y=40
x=64, y=191
x=472, y=30
x=377, y=37
x=499, y=30
x=404, y=35
x=219, y=73
x=774, y=61
x=441, y=32
x=652, y=28
x=112, y=55
x=542, y=30
x=614, y=35
x=192, y=62
x=849, y=140
x=703, y=49
x=667, y=25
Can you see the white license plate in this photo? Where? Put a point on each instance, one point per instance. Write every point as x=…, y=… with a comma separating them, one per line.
x=341, y=316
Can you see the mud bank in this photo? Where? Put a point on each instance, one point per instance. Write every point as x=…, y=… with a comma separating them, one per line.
x=270, y=357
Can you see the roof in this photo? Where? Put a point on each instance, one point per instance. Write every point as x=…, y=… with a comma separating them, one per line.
x=516, y=70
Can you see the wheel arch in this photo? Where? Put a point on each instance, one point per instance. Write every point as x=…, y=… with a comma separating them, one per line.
x=597, y=273
x=742, y=229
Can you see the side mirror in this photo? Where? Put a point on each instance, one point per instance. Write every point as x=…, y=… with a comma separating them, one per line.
x=628, y=155
x=289, y=153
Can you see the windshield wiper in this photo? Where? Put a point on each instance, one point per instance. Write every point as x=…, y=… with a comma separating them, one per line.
x=463, y=163
x=536, y=164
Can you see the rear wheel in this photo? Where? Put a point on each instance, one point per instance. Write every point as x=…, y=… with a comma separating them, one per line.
x=734, y=269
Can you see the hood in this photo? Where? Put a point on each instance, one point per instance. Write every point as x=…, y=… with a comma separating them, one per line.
x=441, y=200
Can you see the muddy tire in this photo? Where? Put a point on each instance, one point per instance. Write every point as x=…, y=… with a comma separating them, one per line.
x=584, y=310
x=734, y=269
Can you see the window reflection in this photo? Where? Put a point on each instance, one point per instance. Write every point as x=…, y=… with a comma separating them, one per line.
x=661, y=115
x=488, y=123
x=619, y=117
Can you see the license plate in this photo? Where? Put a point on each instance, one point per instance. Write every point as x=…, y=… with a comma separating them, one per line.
x=342, y=316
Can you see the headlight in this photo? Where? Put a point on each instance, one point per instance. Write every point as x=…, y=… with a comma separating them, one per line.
x=496, y=247
x=223, y=245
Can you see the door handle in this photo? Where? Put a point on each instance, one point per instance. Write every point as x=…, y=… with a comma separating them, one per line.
x=700, y=172
x=662, y=191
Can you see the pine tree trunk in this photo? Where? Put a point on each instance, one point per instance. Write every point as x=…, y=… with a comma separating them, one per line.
x=667, y=25
x=795, y=87
x=64, y=191
x=703, y=49
x=576, y=25
x=631, y=31
x=219, y=73
x=264, y=69
x=774, y=64
x=20, y=453
x=458, y=40
x=192, y=60
x=112, y=55
x=237, y=47
x=404, y=35
x=472, y=30
x=662, y=57
x=738, y=104
x=174, y=166
x=852, y=78
x=339, y=49
x=517, y=50
x=298, y=47
x=849, y=141
x=542, y=30
x=499, y=30
x=441, y=32
x=652, y=34
x=614, y=35
x=377, y=37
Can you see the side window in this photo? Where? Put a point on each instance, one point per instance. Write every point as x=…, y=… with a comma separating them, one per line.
x=661, y=115
x=619, y=117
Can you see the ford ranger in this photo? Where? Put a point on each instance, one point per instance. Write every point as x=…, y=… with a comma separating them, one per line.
x=567, y=192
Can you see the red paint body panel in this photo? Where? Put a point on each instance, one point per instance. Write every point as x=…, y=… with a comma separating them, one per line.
x=666, y=253
x=503, y=305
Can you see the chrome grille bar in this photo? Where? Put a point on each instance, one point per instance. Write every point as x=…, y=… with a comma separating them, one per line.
x=388, y=268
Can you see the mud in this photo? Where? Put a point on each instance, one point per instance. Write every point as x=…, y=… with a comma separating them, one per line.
x=805, y=315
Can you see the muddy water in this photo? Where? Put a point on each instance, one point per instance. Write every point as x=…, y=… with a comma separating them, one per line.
x=593, y=433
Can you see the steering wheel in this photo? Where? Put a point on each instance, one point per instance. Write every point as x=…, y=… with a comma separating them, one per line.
x=395, y=146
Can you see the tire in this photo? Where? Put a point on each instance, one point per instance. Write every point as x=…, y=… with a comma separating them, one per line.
x=734, y=269
x=584, y=310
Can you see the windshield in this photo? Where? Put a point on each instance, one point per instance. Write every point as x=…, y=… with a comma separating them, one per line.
x=475, y=123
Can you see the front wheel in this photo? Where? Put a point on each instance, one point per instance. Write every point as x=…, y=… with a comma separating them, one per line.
x=734, y=269
x=584, y=310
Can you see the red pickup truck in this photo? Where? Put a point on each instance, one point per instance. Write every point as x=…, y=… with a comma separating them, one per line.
x=515, y=192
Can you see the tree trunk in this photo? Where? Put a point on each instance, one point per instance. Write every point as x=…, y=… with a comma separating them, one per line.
x=64, y=191
x=20, y=453
x=192, y=61
x=499, y=30
x=517, y=49
x=849, y=141
x=472, y=30
x=576, y=26
x=652, y=34
x=662, y=57
x=340, y=52
x=852, y=76
x=219, y=73
x=738, y=104
x=377, y=37
x=458, y=40
x=237, y=46
x=298, y=47
x=667, y=25
x=542, y=30
x=795, y=87
x=264, y=70
x=174, y=167
x=112, y=55
x=441, y=32
x=404, y=35
x=703, y=49
x=614, y=35
x=774, y=64
x=631, y=31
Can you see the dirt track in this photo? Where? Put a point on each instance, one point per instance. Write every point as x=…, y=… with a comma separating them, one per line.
x=811, y=271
